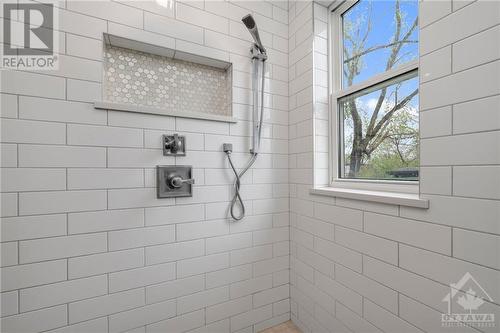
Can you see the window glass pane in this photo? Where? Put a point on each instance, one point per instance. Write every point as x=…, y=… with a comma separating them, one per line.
x=378, y=35
x=379, y=135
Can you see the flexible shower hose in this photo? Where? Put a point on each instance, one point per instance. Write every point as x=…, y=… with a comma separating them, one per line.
x=237, y=181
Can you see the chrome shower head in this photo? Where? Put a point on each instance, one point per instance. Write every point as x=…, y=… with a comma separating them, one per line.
x=249, y=22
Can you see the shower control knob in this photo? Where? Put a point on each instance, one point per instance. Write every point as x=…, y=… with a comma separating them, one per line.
x=177, y=181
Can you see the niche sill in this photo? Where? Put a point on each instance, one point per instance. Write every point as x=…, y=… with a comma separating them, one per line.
x=151, y=110
x=394, y=198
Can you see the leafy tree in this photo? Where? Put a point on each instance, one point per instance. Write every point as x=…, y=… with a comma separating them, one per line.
x=388, y=125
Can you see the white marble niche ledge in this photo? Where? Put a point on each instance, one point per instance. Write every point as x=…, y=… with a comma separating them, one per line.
x=119, y=41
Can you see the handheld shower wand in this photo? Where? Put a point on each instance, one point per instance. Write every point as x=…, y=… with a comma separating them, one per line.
x=259, y=56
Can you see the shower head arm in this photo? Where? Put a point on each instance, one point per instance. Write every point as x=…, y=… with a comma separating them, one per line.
x=257, y=53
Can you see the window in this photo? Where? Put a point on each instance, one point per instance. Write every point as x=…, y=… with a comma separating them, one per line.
x=375, y=91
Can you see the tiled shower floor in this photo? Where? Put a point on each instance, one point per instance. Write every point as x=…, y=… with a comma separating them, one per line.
x=286, y=327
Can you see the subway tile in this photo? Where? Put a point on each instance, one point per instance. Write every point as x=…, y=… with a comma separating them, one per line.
x=477, y=49
x=61, y=156
x=130, y=119
x=23, y=276
x=459, y=149
x=8, y=155
x=26, y=227
x=378, y=293
x=86, y=135
x=458, y=212
x=187, y=231
x=270, y=206
x=326, y=319
x=10, y=303
x=456, y=88
x=9, y=106
x=62, y=292
x=202, y=299
x=139, y=277
x=202, y=194
x=61, y=202
x=26, y=131
x=87, y=178
x=423, y=316
x=435, y=180
x=477, y=247
x=84, y=91
x=84, y=47
x=249, y=255
x=446, y=269
x=31, y=179
x=61, y=111
x=339, y=292
x=271, y=265
x=228, y=276
x=127, y=320
x=353, y=321
x=181, y=323
x=477, y=181
x=228, y=309
x=316, y=227
x=153, y=38
x=316, y=260
x=475, y=116
x=460, y=24
x=426, y=235
x=81, y=24
x=431, y=11
x=61, y=247
x=174, y=289
x=338, y=254
x=105, y=305
x=78, y=68
x=387, y=321
x=33, y=84
x=271, y=296
x=174, y=214
x=173, y=28
x=202, y=18
x=249, y=287
x=96, y=325
x=36, y=321
x=339, y=215
x=270, y=236
x=229, y=242
x=111, y=11
x=136, y=158
x=201, y=265
x=436, y=122
x=105, y=263
x=135, y=198
x=221, y=326
x=132, y=238
x=377, y=247
x=105, y=220
x=251, y=317
x=174, y=252
x=407, y=283
x=9, y=254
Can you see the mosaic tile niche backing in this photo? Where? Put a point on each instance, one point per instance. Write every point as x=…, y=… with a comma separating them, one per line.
x=153, y=81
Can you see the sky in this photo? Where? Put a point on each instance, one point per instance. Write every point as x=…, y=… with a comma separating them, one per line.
x=383, y=25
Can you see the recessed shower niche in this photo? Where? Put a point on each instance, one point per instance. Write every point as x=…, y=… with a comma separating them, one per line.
x=140, y=77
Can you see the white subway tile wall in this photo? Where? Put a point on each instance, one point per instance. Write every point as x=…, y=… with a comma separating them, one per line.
x=368, y=267
x=86, y=245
